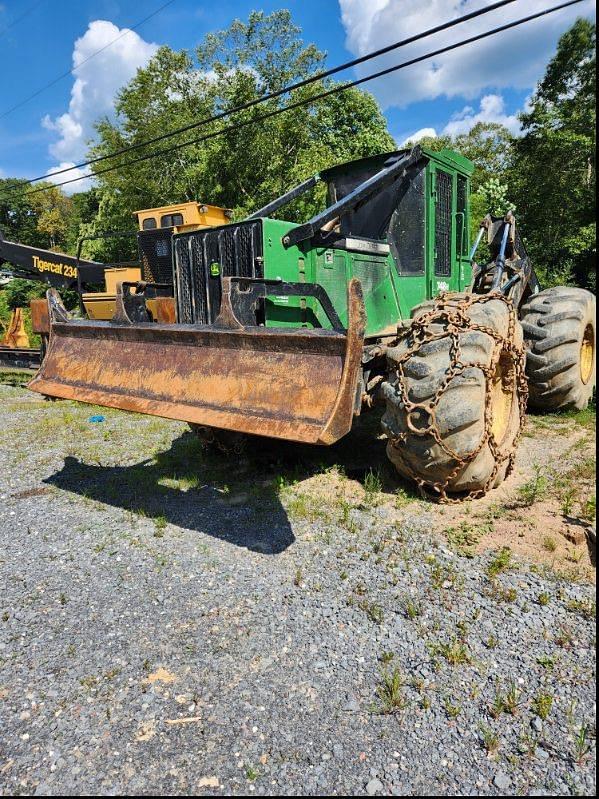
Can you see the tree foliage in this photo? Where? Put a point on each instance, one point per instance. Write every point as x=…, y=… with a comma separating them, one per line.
x=554, y=171
x=547, y=173
x=245, y=168
x=488, y=145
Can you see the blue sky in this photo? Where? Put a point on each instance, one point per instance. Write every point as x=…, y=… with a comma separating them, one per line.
x=489, y=80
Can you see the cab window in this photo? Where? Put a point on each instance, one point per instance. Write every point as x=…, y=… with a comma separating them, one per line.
x=171, y=220
x=407, y=235
x=149, y=223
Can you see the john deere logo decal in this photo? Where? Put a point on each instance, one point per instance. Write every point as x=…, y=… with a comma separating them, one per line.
x=215, y=269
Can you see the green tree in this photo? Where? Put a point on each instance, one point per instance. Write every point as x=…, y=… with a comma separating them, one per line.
x=490, y=148
x=241, y=169
x=45, y=219
x=553, y=175
x=488, y=145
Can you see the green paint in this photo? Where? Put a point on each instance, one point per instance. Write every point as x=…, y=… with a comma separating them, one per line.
x=388, y=295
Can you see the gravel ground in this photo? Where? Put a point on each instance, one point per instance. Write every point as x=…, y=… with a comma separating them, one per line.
x=175, y=622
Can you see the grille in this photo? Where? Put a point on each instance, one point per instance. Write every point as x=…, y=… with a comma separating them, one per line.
x=237, y=249
x=443, y=224
x=156, y=255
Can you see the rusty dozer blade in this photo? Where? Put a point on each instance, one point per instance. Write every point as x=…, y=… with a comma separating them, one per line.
x=295, y=384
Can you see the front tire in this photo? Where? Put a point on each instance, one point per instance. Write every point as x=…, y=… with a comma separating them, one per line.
x=559, y=332
x=456, y=395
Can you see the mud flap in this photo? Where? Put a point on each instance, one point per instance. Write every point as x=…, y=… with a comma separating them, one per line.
x=295, y=384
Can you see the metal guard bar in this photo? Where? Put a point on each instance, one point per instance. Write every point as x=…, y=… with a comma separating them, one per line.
x=354, y=198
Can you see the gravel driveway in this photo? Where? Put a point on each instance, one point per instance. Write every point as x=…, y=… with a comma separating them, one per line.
x=179, y=622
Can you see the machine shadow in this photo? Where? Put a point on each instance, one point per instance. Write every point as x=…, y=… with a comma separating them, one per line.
x=234, y=498
x=185, y=487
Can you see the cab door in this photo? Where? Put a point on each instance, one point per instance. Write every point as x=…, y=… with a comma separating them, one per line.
x=462, y=227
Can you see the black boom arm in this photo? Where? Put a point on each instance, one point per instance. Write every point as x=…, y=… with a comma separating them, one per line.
x=54, y=268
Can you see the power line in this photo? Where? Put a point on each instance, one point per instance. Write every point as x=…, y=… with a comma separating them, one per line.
x=274, y=95
x=85, y=60
x=21, y=16
x=322, y=95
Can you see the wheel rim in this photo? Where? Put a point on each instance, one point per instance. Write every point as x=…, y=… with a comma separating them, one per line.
x=503, y=392
x=587, y=354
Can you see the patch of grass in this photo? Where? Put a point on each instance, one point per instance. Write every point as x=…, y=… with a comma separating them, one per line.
x=412, y=608
x=589, y=508
x=556, y=421
x=452, y=709
x=455, y=652
x=298, y=577
x=567, y=501
x=160, y=523
x=16, y=378
x=535, y=489
x=546, y=661
x=502, y=560
x=549, y=544
x=89, y=682
x=403, y=498
x=490, y=740
x=345, y=519
x=492, y=642
x=529, y=741
x=585, y=607
x=542, y=704
x=507, y=701
x=564, y=638
x=466, y=536
x=502, y=594
x=582, y=745
x=251, y=773
x=543, y=599
x=373, y=485
x=386, y=657
x=442, y=574
x=374, y=612
x=305, y=507
x=390, y=691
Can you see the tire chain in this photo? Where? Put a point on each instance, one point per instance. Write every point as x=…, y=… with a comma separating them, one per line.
x=451, y=311
x=209, y=437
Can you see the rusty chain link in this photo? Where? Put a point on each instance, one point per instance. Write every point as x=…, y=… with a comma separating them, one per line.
x=451, y=313
x=227, y=442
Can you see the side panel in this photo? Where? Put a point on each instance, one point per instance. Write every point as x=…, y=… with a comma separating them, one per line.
x=291, y=264
x=332, y=269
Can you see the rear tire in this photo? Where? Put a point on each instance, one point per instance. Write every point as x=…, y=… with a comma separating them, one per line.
x=456, y=395
x=559, y=332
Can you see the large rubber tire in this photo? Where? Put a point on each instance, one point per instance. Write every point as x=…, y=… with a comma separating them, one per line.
x=559, y=333
x=452, y=430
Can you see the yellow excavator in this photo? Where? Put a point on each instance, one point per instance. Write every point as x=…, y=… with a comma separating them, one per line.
x=153, y=269
x=156, y=227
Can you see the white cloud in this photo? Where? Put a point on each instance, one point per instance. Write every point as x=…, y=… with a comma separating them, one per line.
x=70, y=188
x=97, y=81
x=513, y=59
x=423, y=133
x=492, y=109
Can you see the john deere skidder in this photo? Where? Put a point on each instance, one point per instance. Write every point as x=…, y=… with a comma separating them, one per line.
x=290, y=331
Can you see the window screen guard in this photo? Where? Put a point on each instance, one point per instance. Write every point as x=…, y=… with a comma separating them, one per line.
x=443, y=224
